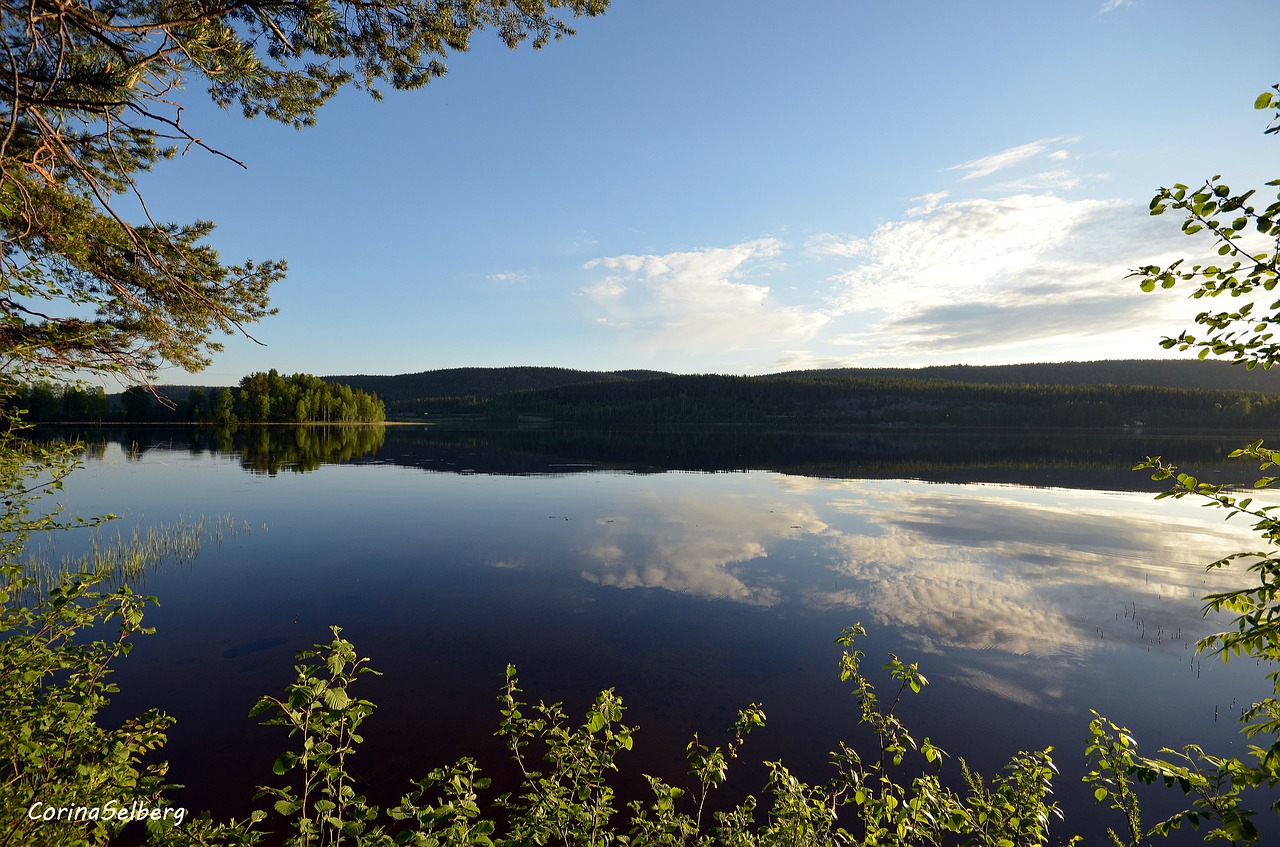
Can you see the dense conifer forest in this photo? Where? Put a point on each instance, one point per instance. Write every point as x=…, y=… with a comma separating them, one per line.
x=878, y=401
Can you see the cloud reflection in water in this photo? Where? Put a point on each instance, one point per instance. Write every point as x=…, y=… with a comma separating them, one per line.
x=1028, y=573
x=694, y=544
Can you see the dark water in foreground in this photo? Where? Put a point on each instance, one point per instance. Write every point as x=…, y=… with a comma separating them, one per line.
x=1033, y=577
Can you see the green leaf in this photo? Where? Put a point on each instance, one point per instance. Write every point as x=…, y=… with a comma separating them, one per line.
x=287, y=807
x=336, y=698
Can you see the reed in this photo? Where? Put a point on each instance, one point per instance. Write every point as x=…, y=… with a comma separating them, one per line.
x=130, y=557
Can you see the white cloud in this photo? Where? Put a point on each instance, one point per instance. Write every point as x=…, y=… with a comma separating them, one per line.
x=608, y=289
x=1019, y=271
x=967, y=248
x=698, y=299
x=827, y=244
x=1112, y=5
x=928, y=203
x=972, y=277
x=507, y=277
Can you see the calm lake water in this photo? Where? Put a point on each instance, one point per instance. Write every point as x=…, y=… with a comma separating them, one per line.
x=1033, y=576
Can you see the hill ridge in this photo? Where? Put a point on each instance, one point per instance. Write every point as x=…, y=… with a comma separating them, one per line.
x=484, y=382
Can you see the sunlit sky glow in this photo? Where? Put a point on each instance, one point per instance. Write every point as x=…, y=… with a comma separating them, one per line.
x=738, y=186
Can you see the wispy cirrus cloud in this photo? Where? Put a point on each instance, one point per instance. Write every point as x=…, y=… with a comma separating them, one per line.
x=1112, y=5
x=1055, y=180
x=987, y=165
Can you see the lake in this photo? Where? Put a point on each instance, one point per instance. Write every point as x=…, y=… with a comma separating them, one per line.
x=1032, y=575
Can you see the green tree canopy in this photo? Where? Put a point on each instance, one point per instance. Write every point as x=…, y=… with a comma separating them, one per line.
x=1246, y=235
x=302, y=398
x=87, y=104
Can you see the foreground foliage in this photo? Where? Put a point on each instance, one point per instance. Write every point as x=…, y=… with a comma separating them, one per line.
x=893, y=796
x=55, y=678
x=55, y=753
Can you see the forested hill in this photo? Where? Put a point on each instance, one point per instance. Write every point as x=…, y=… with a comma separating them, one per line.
x=411, y=390
x=1093, y=394
x=876, y=401
x=1190, y=373
x=479, y=383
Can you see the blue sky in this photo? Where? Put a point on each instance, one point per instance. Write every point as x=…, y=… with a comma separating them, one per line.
x=740, y=186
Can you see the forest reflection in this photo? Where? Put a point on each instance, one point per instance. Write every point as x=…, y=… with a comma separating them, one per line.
x=261, y=449
x=1100, y=460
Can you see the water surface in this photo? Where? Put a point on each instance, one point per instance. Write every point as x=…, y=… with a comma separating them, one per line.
x=1033, y=577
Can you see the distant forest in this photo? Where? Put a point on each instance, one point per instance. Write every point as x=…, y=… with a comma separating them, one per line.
x=1134, y=393
x=872, y=401
x=412, y=393
x=1072, y=394
x=260, y=398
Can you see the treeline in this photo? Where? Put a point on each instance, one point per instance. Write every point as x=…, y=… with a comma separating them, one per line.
x=70, y=403
x=878, y=401
x=260, y=398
